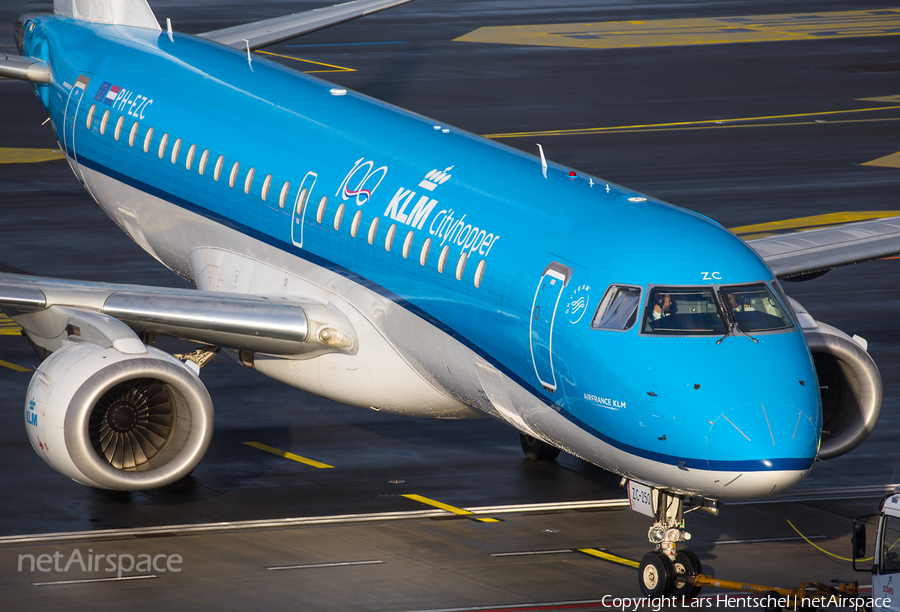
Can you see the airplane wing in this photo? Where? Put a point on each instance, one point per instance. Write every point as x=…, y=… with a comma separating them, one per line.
x=24, y=68
x=56, y=312
x=819, y=250
x=271, y=31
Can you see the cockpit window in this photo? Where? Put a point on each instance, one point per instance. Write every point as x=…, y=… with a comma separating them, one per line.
x=683, y=311
x=754, y=308
x=619, y=308
x=779, y=291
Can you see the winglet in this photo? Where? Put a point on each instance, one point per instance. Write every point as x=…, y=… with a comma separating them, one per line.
x=135, y=13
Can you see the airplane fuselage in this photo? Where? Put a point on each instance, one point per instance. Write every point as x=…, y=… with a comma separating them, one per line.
x=471, y=273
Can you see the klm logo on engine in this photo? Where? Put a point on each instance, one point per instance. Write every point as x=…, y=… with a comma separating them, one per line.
x=401, y=208
x=30, y=414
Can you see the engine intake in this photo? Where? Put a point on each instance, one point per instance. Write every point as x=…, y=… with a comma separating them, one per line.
x=118, y=421
x=849, y=384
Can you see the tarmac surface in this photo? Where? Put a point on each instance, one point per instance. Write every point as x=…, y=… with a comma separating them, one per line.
x=256, y=531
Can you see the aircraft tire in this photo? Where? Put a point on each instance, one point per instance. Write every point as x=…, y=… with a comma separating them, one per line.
x=686, y=564
x=656, y=575
x=538, y=450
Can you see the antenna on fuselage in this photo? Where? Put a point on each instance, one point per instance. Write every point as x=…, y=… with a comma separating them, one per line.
x=543, y=159
x=249, y=59
x=169, y=29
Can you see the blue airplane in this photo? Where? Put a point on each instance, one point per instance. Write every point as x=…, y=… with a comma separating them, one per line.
x=385, y=260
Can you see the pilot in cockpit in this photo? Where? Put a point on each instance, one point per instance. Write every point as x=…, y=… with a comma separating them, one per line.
x=662, y=307
x=738, y=303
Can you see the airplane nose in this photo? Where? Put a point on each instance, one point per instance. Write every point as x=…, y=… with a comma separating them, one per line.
x=763, y=438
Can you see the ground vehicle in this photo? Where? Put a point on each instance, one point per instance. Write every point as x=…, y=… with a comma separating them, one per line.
x=886, y=560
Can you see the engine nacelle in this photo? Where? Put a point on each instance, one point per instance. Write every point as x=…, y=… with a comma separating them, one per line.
x=118, y=421
x=849, y=384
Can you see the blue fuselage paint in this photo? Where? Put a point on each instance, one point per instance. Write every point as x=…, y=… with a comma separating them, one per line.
x=688, y=402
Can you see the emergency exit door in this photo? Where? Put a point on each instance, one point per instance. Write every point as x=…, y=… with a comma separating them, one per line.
x=304, y=196
x=543, y=314
x=70, y=121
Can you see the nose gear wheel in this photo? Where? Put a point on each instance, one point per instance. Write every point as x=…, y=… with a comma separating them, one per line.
x=656, y=575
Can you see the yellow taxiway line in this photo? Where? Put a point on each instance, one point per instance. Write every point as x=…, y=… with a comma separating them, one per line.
x=608, y=557
x=297, y=59
x=684, y=124
x=807, y=223
x=448, y=508
x=888, y=161
x=12, y=366
x=703, y=31
x=28, y=156
x=8, y=327
x=287, y=455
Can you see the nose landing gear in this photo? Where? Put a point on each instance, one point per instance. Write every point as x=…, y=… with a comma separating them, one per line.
x=667, y=571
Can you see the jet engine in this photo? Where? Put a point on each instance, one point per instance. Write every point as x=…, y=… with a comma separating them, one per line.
x=849, y=384
x=118, y=421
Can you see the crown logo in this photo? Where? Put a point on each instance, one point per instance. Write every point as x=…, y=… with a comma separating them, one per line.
x=435, y=178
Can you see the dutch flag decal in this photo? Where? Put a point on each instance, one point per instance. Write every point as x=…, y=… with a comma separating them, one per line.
x=111, y=95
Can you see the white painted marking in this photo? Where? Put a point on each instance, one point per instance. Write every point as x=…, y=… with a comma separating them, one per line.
x=275, y=568
x=104, y=534
x=530, y=606
x=88, y=580
x=525, y=553
x=788, y=539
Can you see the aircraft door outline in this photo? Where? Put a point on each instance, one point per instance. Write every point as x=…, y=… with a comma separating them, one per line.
x=543, y=314
x=70, y=121
x=300, y=205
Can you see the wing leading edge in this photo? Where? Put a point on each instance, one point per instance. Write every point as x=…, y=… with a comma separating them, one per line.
x=261, y=34
x=819, y=250
x=49, y=310
x=24, y=68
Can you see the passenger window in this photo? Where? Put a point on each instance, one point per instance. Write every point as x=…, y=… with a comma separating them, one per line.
x=284, y=194
x=338, y=217
x=389, y=239
x=190, y=157
x=691, y=311
x=354, y=227
x=234, y=172
x=248, y=182
x=423, y=256
x=300, y=204
x=103, y=122
x=162, y=145
x=442, y=260
x=323, y=203
x=133, y=134
x=90, y=117
x=618, y=309
x=217, y=172
x=118, y=131
x=147, y=140
x=266, y=185
x=373, y=229
x=407, y=244
x=479, y=272
x=175, y=149
x=461, y=266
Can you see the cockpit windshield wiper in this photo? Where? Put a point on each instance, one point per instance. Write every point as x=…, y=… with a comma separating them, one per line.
x=733, y=326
